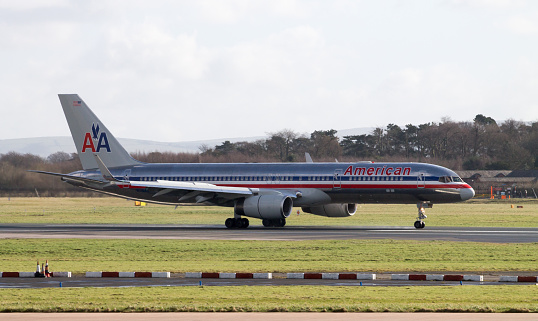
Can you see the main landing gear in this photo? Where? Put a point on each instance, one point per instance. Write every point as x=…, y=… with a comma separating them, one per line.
x=280, y=222
x=236, y=222
x=421, y=214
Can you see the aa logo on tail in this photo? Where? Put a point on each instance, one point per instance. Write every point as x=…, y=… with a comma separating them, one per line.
x=94, y=141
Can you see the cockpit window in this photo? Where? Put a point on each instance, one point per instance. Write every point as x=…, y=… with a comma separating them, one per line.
x=449, y=179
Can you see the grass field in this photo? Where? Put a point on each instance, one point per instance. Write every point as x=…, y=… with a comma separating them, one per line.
x=82, y=255
x=79, y=256
x=107, y=210
x=270, y=298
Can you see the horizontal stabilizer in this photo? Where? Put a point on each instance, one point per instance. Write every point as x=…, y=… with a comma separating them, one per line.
x=70, y=177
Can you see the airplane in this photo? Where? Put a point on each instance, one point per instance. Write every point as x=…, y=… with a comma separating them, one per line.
x=266, y=191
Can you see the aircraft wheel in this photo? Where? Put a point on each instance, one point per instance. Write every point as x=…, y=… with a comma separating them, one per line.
x=422, y=224
x=267, y=223
x=244, y=222
x=281, y=222
x=229, y=223
x=418, y=224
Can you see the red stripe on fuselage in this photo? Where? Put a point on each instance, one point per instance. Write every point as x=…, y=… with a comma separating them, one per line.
x=329, y=186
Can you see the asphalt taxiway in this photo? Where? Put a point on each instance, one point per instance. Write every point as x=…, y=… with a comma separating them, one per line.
x=178, y=279
x=219, y=232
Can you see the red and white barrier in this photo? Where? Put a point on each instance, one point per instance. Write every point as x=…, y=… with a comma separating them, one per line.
x=32, y=274
x=222, y=275
x=128, y=274
x=332, y=276
x=515, y=278
x=437, y=277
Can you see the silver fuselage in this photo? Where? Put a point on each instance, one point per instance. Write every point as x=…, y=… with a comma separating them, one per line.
x=362, y=182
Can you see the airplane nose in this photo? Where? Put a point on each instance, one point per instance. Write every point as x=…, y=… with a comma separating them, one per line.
x=466, y=193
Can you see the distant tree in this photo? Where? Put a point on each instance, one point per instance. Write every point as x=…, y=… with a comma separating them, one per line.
x=21, y=160
x=358, y=146
x=59, y=157
x=483, y=120
x=498, y=165
x=395, y=139
x=281, y=145
x=225, y=148
x=473, y=163
x=411, y=140
x=325, y=144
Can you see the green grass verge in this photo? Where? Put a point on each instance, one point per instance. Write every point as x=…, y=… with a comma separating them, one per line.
x=108, y=210
x=267, y=256
x=271, y=299
x=81, y=255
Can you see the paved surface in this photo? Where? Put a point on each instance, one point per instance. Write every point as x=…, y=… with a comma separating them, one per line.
x=81, y=281
x=217, y=232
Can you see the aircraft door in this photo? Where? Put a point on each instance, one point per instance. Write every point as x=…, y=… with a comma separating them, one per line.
x=127, y=174
x=421, y=180
x=337, y=179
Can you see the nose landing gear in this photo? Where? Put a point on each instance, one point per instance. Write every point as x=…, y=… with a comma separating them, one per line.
x=419, y=223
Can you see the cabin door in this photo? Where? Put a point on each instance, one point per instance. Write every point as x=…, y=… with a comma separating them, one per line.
x=337, y=179
x=421, y=180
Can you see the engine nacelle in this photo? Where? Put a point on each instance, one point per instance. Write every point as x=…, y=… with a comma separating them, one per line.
x=332, y=210
x=265, y=206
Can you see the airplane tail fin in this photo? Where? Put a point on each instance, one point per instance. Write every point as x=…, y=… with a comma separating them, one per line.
x=91, y=136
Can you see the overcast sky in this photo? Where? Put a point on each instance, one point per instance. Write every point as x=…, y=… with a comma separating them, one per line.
x=194, y=70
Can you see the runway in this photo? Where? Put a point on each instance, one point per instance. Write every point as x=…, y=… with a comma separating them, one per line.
x=218, y=232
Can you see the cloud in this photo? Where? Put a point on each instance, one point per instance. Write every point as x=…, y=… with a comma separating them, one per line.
x=523, y=25
x=151, y=50
x=494, y=4
x=32, y=4
x=233, y=11
x=204, y=69
x=279, y=60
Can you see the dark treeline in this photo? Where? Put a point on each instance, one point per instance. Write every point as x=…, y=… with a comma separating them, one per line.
x=480, y=144
x=15, y=180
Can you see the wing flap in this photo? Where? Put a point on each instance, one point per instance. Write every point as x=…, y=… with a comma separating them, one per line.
x=194, y=187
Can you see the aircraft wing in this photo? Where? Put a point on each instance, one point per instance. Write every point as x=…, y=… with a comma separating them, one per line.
x=195, y=191
x=195, y=186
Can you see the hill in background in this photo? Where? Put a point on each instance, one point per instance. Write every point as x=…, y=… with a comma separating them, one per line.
x=44, y=146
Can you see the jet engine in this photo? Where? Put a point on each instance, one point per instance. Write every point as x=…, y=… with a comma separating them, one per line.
x=332, y=210
x=265, y=206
